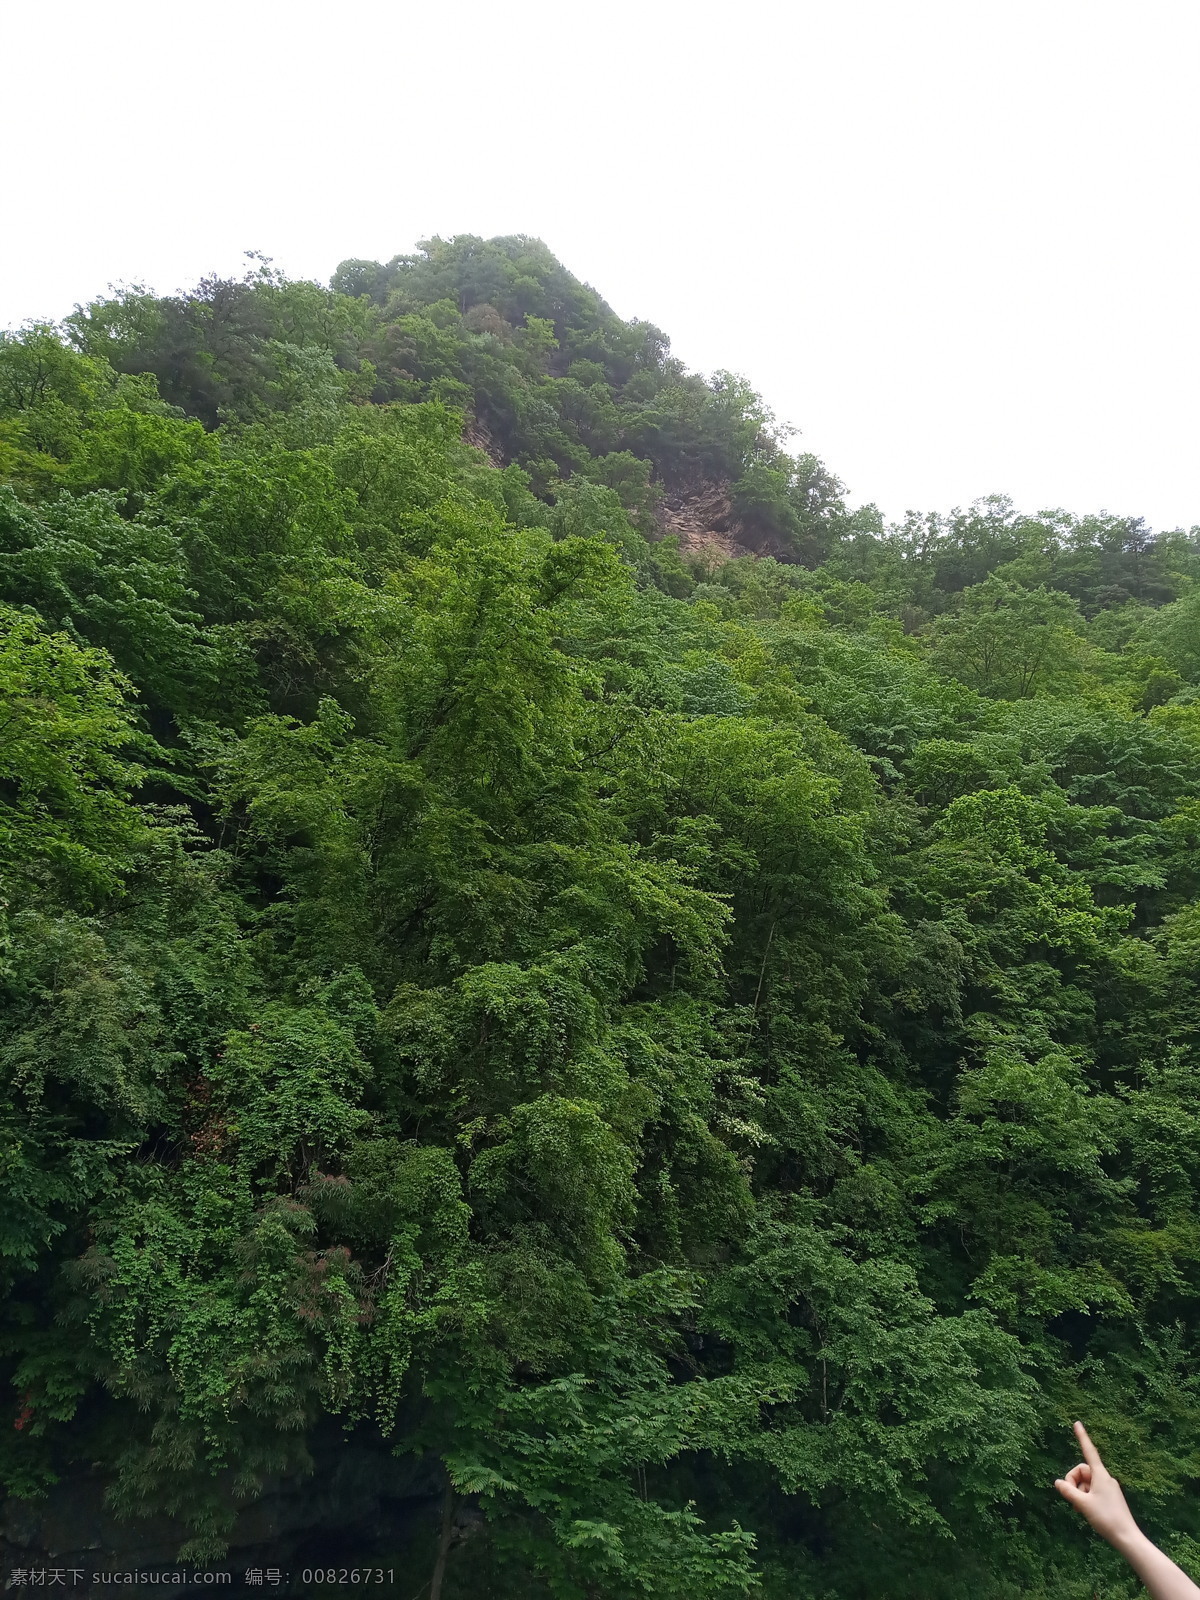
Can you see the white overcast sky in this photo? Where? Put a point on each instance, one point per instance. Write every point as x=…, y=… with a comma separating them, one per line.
x=954, y=242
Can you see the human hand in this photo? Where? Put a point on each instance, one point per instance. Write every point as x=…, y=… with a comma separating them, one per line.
x=1096, y=1494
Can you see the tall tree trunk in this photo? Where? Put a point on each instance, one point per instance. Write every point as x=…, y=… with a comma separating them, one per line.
x=439, y=1566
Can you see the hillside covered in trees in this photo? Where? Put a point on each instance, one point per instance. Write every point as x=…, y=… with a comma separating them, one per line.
x=537, y=946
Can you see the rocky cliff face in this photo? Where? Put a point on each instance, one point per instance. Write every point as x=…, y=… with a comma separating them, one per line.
x=704, y=522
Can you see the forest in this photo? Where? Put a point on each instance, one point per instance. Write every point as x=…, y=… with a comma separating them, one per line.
x=536, y=943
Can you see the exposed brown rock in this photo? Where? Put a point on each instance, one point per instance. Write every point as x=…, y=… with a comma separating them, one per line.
x=701, y=516
x=480, y=436
x=704, y=523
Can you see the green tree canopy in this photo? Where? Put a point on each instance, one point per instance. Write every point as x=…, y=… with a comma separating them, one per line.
x=693, y=1045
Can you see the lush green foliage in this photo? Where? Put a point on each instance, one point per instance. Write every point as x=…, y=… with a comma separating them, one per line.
x=707, y=1055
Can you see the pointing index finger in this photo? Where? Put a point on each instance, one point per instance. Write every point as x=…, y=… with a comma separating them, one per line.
x=1090, y=1454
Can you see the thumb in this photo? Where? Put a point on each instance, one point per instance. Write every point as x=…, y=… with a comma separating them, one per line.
x=1070, y=1493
